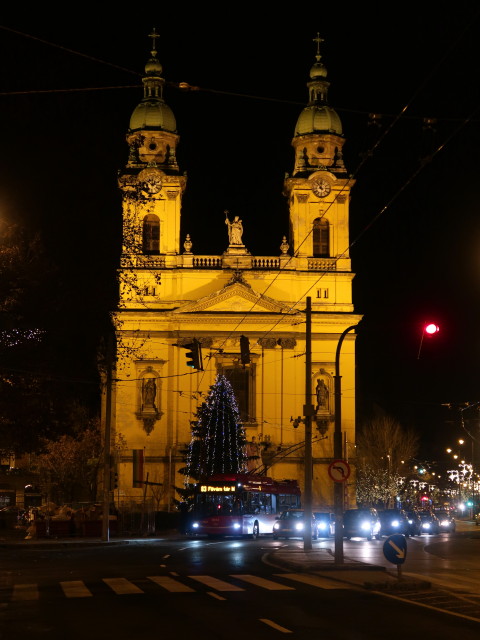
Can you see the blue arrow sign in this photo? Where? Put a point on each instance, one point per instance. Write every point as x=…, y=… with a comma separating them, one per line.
x=395, y=548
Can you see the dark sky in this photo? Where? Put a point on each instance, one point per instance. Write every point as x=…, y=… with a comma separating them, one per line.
x=415, y=223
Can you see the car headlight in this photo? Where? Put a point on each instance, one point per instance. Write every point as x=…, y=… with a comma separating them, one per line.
x=276, y=525
x=236, y=525
x=365, y=526
x=322, y=525
x=299, y=526
x=426, y=525
x=195, y=525
x=444, y=523
x=410, y=522
x=395, y=523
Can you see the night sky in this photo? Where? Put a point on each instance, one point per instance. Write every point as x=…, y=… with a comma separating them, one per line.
x=68, y=88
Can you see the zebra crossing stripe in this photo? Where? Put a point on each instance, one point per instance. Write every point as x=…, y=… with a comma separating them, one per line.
x=315, y=581
x=122, y=586
x=215, y=583
x=75, y=589
x=262, y=582
x=170, y=584
x=25, y=592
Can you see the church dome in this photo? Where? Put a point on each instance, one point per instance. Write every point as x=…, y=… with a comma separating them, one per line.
x=318, y=119
x=153, y=114
x=318, y=71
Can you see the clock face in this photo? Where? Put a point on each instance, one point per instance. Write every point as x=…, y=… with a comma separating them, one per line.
x=321, y=188
x=150, y=180
x=153, y=184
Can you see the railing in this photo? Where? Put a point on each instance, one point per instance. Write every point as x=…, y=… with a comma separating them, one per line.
x=265, y=262
x=207, y=262
x=322, y=264
x=133, y=261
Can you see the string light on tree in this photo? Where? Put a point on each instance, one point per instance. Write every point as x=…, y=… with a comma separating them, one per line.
x=218, y=437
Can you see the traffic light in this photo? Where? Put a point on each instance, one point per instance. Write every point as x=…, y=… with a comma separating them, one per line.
x=431, y=329
x=244, y=350
x=194, y=355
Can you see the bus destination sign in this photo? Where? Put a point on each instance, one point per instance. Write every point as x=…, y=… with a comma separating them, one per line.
x=225, y=488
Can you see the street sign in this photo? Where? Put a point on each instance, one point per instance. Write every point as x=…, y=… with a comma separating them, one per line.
x=339, y=470
x=395, y=548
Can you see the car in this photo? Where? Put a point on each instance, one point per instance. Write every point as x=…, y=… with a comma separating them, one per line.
x=325, y=524
x=414, y=523
x=446, y=521
x=291, y=524
x=477, y=518
x=393, y=521
x=363, y=523
x=430, y=523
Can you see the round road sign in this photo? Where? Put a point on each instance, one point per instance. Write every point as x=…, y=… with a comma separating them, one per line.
x=339, y=470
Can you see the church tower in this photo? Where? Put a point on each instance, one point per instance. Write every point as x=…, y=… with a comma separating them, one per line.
x=171, y=297
x=319, y=189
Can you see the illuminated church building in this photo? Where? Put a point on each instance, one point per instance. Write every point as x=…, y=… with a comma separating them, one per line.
x=170, y=296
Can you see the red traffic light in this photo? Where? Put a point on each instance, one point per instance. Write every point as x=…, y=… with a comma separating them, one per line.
x=431, y=329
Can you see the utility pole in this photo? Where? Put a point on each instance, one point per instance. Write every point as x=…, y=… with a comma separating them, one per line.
x=107, y=435
x=308, y=413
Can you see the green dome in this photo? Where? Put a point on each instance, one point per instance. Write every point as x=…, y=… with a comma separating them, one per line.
x=153, y=114
x=318, y=119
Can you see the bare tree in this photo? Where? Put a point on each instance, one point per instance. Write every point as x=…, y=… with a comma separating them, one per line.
x=383, y=449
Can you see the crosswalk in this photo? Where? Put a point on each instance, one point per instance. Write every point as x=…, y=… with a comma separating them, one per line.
x=176, y=584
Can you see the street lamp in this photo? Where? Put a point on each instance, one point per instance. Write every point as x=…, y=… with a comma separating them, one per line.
x=338, y=451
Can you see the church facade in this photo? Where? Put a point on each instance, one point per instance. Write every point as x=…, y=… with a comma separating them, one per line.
x=170, y=298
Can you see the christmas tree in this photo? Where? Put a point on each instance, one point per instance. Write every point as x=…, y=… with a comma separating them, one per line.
x=218, y=437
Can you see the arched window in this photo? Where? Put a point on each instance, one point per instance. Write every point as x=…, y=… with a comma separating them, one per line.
x=151, y=234
x=321, y=238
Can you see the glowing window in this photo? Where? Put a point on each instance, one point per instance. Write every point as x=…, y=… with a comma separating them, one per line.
x=151, y=234
x=321, y=238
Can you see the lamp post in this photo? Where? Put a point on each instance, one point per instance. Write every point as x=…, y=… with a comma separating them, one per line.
x=338, y=451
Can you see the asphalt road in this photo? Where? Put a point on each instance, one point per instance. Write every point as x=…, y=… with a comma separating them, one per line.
x=210, y=589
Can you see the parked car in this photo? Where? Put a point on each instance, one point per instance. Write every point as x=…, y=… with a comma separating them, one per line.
x=430, y=523
x=446, y=521
x=363, y=523
x=414, y=523
x=325, y=524
x=477, y=518
x=291, y=524
x=393, y=521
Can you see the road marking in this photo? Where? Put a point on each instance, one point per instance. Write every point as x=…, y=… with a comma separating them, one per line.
x=274, y=625
x=170, y=584
x=122, y=586
x=25, y=592
x=75, y=589
x=315, y=581
x=215, y=595
x=262, y=582
x=167, y=556
x=217, y=584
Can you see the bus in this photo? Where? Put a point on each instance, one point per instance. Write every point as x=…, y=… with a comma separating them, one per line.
x=240, y=505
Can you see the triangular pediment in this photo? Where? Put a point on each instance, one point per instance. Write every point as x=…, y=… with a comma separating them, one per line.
x=235, y=298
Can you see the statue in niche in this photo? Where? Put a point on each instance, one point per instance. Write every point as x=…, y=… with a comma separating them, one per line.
x=235, y=230
x=322, y=394
x=149, y=393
